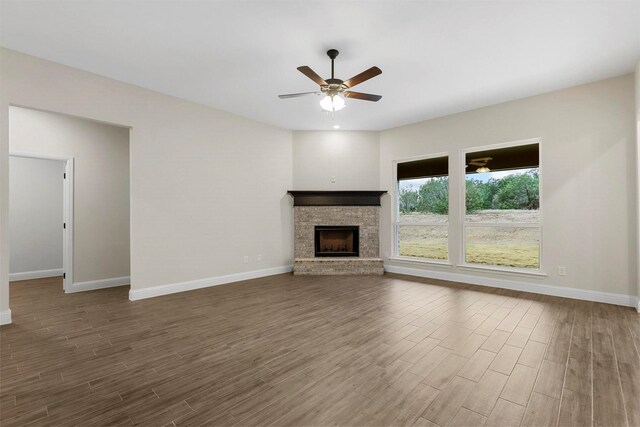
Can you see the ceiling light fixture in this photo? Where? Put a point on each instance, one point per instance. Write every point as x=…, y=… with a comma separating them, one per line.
x=332, y=103
x=483, y=169
x=336, y=90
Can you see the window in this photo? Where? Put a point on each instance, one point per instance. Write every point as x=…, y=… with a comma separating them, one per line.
x=422, y=227
x=502, y=223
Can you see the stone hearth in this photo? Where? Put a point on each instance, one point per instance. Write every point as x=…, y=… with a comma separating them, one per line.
x=337, y=266
x=337, y=208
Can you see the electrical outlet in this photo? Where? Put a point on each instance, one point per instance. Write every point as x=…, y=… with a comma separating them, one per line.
x=246, y=259
x=333, y=179
x=562, y=271
x=259, y=257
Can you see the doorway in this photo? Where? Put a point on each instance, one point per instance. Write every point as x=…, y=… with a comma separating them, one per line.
x=95, y=224
x=41, y=217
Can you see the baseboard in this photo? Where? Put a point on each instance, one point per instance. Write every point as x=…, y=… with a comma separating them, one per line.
x=5, y=317
x=536, y=288
x=99, y=284
x=172, y=288
x=28, y=275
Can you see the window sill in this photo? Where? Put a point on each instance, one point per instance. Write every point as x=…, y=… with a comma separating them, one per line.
x=421, y=261
x=499, y=270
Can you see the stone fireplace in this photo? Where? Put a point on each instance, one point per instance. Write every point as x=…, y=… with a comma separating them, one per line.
x=336, y=232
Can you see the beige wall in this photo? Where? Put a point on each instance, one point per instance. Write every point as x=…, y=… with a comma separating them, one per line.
x=101, y=184
x=207, y=187
x=587, y=171
x=352, y=159
x=205, y=183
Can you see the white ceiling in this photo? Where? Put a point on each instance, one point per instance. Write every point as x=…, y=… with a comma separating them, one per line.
x=437, y=58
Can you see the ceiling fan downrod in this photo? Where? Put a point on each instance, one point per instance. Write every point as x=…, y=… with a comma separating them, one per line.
x=333, y=54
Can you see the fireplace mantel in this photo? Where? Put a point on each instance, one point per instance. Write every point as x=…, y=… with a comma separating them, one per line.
x=336, y=198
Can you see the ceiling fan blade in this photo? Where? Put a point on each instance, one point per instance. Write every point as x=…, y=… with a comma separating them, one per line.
x=312, y=75
x=363, y=76
x=296, y=95
x=363, y=96
x=482, y=161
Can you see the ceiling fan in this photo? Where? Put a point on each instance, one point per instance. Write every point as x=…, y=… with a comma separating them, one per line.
x=481, y=163
x=335, y=89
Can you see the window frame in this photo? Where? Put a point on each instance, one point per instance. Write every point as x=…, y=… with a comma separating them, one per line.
x=463, y=213
x=395, y=220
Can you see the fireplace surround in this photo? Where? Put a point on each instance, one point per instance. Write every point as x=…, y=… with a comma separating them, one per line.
x=339, y=213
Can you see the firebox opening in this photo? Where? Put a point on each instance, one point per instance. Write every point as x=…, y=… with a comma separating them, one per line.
x=337, y=241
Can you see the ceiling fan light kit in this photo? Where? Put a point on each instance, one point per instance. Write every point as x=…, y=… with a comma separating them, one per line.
x=336, y=90
x=332, y=103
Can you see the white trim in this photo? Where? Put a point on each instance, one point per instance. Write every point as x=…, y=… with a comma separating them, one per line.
x=421, y=261
x=99, y=284
x=502, y=270
x=172, y=288
x=395, y=198
x=536, y=288
x=503, y=224
x=462, y=249
x=424, y=224
x=28, y=275
x=67, y=239
x=5, y=317
x=67, y=247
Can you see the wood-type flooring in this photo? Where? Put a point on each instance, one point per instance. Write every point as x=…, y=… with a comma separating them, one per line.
x=323, y=350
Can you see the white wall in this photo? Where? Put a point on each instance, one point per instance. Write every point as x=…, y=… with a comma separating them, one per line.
x=352, y=159
x=35, y=217
x=587, y=171
x=101, y=185
x=207, y=187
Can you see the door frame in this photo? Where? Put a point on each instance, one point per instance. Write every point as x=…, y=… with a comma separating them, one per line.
x=67, y=216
